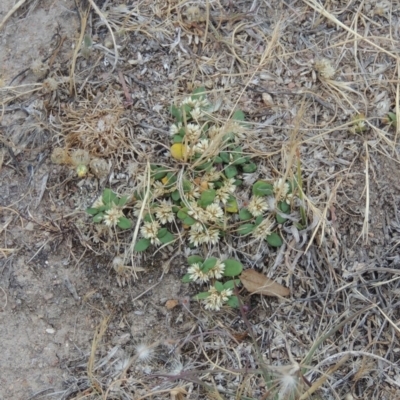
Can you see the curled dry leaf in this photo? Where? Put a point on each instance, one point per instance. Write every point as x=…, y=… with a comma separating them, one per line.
x=257, y=283
x=170, y=304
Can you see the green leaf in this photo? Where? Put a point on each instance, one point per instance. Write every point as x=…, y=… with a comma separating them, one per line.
x=104, y=208
x=219, y=286
x=177, y=139
x=148, y=218
x=159, y=173
x=245, y=229
x=92, y=211
x=258, y=220
x=230, y=171
x=171, y=180
x=284, y=207
x=202, y=296
x=186, y=279
x=162, y=232
x=199, y=93
x=108, y=196
x=176, y=112
x=186, y=186
x=231, y=205
x=279, y=219
x=233, y=302
x=238, y=115
x=261, y=188
x=204, y=167
x=122, y=201
x=217, y=160
x=167, y=238
x=194, y=260
x=209, y=264
x=245, y=214
x=189, y=221
x=98, y=218
x=249, y=168
x=225, y=157
x=124, y=223
x=175, y=195
x=232, y=283
x=274, y=240
x=207, y=197
x=142, y=245
x=232, y=267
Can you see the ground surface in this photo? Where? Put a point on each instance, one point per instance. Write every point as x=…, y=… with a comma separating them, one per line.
x=71, y=324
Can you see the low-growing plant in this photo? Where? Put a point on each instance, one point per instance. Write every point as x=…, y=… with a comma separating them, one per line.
x=108, y=209
x=201, y=196
x=212, y=271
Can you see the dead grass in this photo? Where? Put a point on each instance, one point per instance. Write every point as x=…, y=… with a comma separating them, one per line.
x=339, y=331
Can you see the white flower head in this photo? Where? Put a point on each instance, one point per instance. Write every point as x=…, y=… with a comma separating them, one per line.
x=196, y=235
x=112, y=216
x=196, y=113
x=98, y=202
x=281, y=189
x=216, y=299
x=214, y=131
x=192, y=132
x=221, y=195
x=201, y=146
x=214, y=212
x=196, y=212
x=229, y=185
x=263, y=230
x=164, y=212
x=217, y=271
x=210, y=236
x=150, y=230
x=197, y=275
x=158, y=189
x=257, y=206
x=193, y=194
x=174, y=128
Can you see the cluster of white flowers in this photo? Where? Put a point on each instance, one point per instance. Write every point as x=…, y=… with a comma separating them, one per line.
x=216, y=299
x=150, y=230
x=257, y=206
x=264, y=229
x=164, y=212
x=281, y=189
x=227, y=189
x=112, y=216
x=200, y=234
x=198, y=276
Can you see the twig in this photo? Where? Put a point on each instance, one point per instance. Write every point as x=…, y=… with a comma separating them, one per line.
x=11, y=12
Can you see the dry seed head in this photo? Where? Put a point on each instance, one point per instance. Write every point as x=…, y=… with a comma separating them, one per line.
x=60, y=156
x=325, y=68
x=81, y=170
x=144, y=352
x=49, y=85
x=39, y=69
x=80, y=157
x=99, y=167
x=194, y=14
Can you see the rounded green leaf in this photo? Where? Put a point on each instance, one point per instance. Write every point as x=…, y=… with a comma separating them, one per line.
x=124, y=223
x=238, y=115
x=261, y=188
x=274, y=240
x=219, y=286
x=249, y=168
x=201, y=296
x=109, y=196
x=207, y=197
x=186, y=279
x=280, y=219
x=162, y=232
x=122, y=201
x=217, y=160
x=175, y=195
x=209, y=264
x=231, y=171
x=233, y=302
x=92, y=211
x=167, y=238
x=245, y=214
x=189, y=221
x=194, y=260
x=232, y=283
x=177, y=139
x=142, y=245
x=245, y=229
x=232, y=267
x=98, y=217
x=225, y=157
x=284, y=207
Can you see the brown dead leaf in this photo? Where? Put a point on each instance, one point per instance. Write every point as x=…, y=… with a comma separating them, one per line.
x=257, y=283
x=170, y=304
